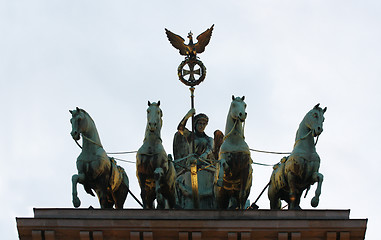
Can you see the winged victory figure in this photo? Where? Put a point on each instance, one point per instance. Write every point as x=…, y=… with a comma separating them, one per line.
x=191, y=49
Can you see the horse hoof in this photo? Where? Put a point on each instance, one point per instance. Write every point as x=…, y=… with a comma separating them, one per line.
x=314, y=202
x=76, y=202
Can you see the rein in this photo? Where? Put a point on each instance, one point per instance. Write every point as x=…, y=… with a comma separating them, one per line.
x=88, y=139
x=78, y=144
x=231, y=131
x=107, y=152
x=317, y=138
x=302, y=138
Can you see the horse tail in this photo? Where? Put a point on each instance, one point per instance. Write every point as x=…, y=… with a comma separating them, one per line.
x=117, y=176
x=126, y=183
x=125, y=179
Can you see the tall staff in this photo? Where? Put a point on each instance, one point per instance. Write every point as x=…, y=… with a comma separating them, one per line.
x=191, y=72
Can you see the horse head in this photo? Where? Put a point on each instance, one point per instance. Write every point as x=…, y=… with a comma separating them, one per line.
x=314, y=120
x=154, y=116
x=237, y=109
x=79, y=123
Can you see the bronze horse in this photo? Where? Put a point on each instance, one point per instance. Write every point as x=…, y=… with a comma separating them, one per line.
x=300, y=170
x=96, y=171
x=235, y=176
x=154, y=169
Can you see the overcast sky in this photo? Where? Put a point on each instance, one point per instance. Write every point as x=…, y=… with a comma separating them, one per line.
x=111, y=57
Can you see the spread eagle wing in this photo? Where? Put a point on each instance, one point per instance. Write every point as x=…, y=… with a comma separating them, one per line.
x=177, y=42
x=203, y=39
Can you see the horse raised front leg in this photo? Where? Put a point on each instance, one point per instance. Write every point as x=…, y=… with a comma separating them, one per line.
x=76, y=178
x=317, y=177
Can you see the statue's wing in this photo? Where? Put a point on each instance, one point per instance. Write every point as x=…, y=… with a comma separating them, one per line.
x=203, y=39
x=218, y=140
x=181, y=149
x=176, y=41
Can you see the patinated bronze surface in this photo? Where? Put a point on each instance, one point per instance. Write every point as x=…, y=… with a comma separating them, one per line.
x=191, y=71
x=154, y=168
x=96, y=171
x=203, y=160
x=191, y=49
x=205, y=173
x=187, y=72
x=235, y=173
x=300, y=170
x=195, y=73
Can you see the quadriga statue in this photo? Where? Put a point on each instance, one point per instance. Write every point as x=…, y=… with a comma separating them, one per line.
x=300, y=170
x=235, y=174
x=96, y=171
x=154, y=168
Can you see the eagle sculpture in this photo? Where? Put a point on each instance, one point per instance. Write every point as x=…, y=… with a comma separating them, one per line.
x=191, y=49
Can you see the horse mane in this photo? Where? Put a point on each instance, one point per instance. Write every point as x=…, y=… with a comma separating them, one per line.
x=87, y=114
x=78, y=110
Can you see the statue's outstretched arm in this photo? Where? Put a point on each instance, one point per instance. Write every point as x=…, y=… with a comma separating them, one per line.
x=183, y=122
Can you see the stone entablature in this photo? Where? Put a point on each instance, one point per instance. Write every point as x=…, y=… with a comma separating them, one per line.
x=138, y=224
